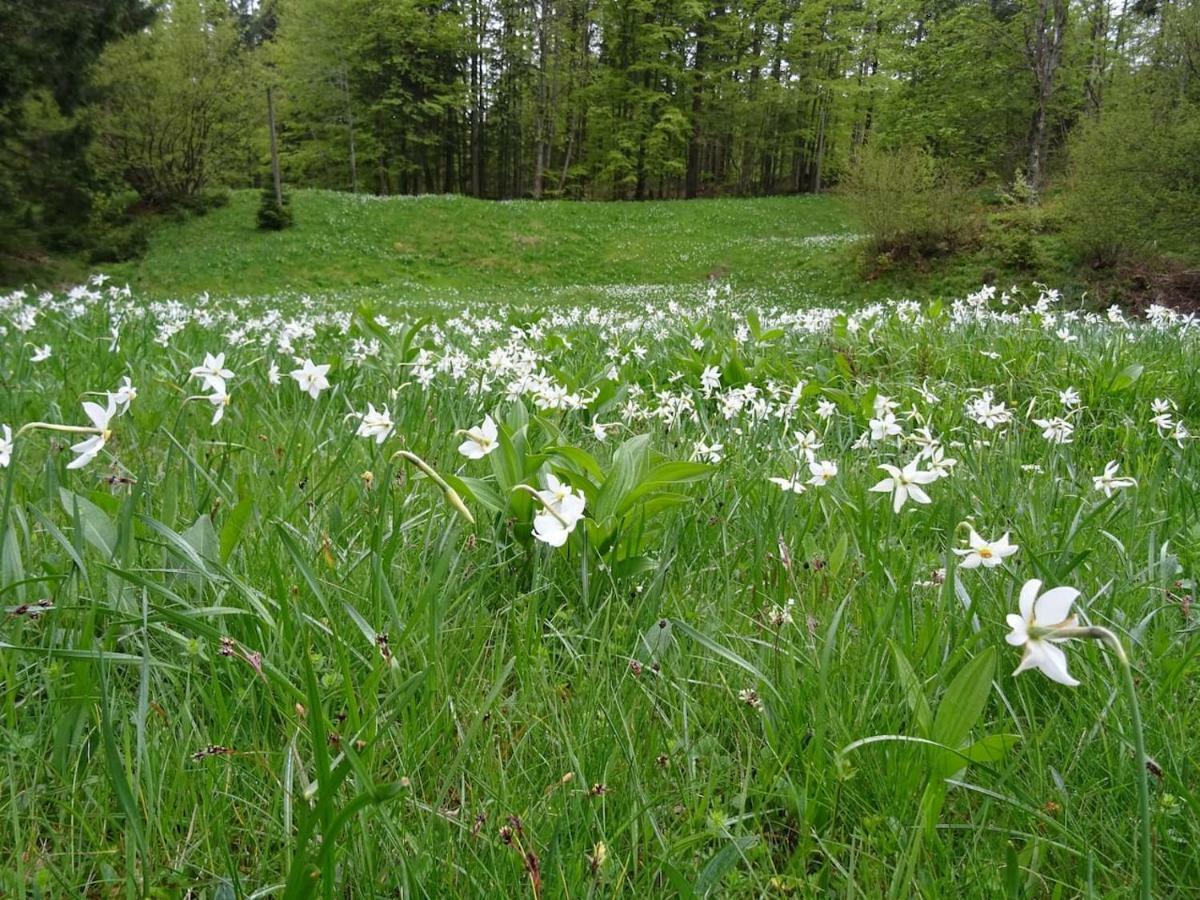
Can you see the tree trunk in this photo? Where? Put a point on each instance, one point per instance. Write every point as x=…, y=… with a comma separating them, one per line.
x=1043, y=52
x=274, y=149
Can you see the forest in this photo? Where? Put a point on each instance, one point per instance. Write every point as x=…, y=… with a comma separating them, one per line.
x=114, y=111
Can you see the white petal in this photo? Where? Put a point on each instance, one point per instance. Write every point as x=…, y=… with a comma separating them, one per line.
x=1018, y=635
x=1029, y=593
x=918, y=495
x=1055, y=605
x=1053, y=662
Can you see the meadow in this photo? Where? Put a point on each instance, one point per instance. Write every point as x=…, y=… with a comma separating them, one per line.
x=645, y=584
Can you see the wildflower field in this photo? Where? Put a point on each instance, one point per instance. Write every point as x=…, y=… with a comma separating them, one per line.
x=679, y=592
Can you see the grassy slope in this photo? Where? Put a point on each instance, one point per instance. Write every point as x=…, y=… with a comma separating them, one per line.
x=472, y=245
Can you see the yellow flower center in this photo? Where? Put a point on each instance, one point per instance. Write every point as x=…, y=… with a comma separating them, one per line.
x=986, y=553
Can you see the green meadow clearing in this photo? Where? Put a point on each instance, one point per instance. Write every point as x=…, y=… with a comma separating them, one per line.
x=441, y=548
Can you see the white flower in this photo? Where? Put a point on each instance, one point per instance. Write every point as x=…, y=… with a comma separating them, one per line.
x=883, y=427
x=823, y=472
x=807, y=442
x=40, y=354
x=794, y=484
x=988, y=554
x=273, y=374
x=564, y=510
x=1033, y=629
x=904, y=484
x=1069, y=398
x=480, y=441
x=376, y=425
x=599, y=431
x=708, y=453
x=125, y=394
x=750, y=697
x=1109, y=481
x=219, y=400
x=213, y=372
x=710, y=379
x=311, y=378
x=826, y=408
x=6, y=447
x=100, y=417
x=939, y=463
x=1056, y=430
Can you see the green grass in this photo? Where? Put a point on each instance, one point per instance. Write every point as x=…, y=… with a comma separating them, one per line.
x=344, y=242
x=229, y=584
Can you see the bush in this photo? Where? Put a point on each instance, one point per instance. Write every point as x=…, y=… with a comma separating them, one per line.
x=909, y=204
x=117, y=231
x=273, y=215
x=1134, y=187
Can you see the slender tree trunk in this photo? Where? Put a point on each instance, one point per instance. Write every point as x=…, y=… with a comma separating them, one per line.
x=1043, y=51
x=274, y=148
x=350, y=133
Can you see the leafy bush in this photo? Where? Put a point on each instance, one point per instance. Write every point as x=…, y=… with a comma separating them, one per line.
x=1134, y=182
x=273, y=215
x=1020, y=238
x=910, y=205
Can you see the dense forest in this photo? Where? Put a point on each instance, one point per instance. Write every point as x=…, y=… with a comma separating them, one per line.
x=109, y=106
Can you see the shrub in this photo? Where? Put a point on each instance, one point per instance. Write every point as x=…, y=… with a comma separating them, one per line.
x=1134, y=186
x=910, y=205
x=273, y=215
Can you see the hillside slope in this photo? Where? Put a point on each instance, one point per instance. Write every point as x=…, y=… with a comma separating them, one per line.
x=344, y=241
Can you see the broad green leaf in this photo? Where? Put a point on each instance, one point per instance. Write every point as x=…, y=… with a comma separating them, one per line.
x=98, y=529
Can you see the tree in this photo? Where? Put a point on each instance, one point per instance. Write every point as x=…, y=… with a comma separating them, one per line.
x=176, y=111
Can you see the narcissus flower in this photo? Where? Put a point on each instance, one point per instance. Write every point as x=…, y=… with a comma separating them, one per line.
x=213, y=372
x=311, y=378
x=89, y=449
x=6, y=447
x=562, y=510
x=376, y=425
x=1109, y=481
x=988, y=554
x=480, y=441
x=789, y=485
x=124, y=395
x=1035, y=630
x=40, y=354
x=905, y=484
x=823, y=472
x=219, y=400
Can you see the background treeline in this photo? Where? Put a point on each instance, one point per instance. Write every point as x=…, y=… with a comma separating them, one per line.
x=109, y=106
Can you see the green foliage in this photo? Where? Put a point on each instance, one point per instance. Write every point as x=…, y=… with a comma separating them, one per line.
x=262, y=672
x=418, y=244
x=177, y=107
x=1135, y=185
x=910, y=205
x=273, y=215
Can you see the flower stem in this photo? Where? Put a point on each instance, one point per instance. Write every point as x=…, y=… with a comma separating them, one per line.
x=1139, y=744
x=1143, y=776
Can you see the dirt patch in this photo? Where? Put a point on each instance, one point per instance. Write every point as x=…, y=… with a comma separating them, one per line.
x=1136, y=286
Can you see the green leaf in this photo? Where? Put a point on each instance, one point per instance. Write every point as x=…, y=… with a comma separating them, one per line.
x=235, y=524
x=722, y=861
x=629, y=467
x=98, y=529
x=963, y=703
x=1126, y=378
x=914, y=696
